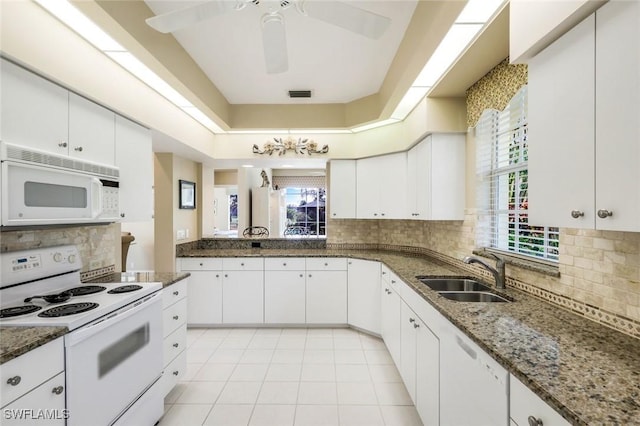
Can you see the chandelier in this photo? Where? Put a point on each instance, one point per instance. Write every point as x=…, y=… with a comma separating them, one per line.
x=280, y=146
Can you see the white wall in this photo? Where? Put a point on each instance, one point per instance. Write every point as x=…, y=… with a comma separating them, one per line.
x=221, y=213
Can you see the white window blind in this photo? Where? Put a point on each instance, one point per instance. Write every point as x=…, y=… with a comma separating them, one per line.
x=502, y=184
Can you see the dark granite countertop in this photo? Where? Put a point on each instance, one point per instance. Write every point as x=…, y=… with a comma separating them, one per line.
x=589, y=373
x=16, y=341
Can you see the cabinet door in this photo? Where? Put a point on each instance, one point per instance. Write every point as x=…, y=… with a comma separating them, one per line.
x=617, y=111
x=364, y=294
x=342, y=189
x=243, y=297
x=92, y=131
x=134, y=157
x=326, y=299
x=204, y=303
x=408, y=358
x=390, y=321
x=35, y=112
x=445, y=159
x=49, y=396
x=393, y=186
x=427, y=375
x=561, y=131
x=523, y=404
x=284, y=297
x=412, y=182
x=368, y=171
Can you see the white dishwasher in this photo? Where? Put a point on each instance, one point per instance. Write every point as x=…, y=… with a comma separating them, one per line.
x=474, y=388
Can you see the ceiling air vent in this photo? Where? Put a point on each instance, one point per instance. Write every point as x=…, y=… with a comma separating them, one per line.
x=299, y=93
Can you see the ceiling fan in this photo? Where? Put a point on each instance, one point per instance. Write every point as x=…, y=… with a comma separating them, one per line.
x=341, y=14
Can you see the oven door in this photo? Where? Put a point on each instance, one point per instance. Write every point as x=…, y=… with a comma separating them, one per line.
x=36, y=195
x=110, y=363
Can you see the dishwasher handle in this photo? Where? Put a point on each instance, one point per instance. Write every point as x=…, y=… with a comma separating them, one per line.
x=466, y=348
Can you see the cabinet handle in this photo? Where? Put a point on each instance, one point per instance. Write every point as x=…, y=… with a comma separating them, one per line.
x=375, y=214
x=387, y=290
x=62, y=145
x=57, y=390
x=576, y=214
x=382, y=214
x=534, y=422
x=201, y=264
x=412, y=320
x=217, y=275
x=226, y=275
x=393, y=281
x=384, y=273
x=175, y=293
x=416, y=325
x=333, y=214
x=301, y=275
x=121, y=214
x=284, y=264
x=309, y=275
x=175, y=317
x=242, y=264
x=326, y=264
x=175, y=345
x=175, y=373
x=14, y=381
x=78, y=149
x=603, y=214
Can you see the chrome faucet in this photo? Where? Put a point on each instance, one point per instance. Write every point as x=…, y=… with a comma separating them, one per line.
x=498, y=272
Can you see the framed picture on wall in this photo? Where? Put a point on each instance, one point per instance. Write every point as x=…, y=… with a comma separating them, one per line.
x=187, y=194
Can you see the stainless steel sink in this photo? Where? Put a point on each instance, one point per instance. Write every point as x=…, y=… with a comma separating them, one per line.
x=453, y=284
x=472, y=296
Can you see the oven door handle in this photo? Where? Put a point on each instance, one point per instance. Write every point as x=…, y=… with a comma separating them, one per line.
x=96, y=197
x=89, y=330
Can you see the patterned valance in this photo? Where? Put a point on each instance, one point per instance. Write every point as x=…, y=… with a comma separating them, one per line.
x=299, y=181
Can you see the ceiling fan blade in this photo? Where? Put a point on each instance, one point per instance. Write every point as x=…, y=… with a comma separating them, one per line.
x=346, y=16
x=274, y=41
x=181, y=18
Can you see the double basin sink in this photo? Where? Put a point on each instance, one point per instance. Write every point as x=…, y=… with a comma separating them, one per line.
x=461, y=289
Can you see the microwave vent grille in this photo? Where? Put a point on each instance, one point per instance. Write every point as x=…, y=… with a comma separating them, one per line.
x=18, y=153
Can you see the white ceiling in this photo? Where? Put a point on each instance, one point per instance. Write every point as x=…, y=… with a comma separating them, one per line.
x=338, y=66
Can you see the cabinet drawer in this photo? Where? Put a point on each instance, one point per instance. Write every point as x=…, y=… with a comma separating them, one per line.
x=173, y=317
x=284, y=264
x=30, y=370
x=48, y=396
x=242, y=264
x=326, y=264
x=174, y=293
x=173, y=373
x=174, y=343
x=524, y=403
x=201, y=264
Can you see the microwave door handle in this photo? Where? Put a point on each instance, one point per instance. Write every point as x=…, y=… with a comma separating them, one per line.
x=96, y=197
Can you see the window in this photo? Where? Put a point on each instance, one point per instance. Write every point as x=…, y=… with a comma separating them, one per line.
x=305, y=211
x=502, y=184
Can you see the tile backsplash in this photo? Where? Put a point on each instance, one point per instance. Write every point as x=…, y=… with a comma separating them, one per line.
x=96, y=244
x=599, y=271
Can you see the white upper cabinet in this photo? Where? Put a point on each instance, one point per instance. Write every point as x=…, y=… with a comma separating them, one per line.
x=342, y=189
x=35, y=112
x=618, y=115
x=436, y=178
x=92, y=131
x=584, y=133
x=134, y=157
x=381, y=187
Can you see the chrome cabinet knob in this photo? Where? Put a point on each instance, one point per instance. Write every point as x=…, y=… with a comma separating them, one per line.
x=175, y=293
x=201, y=264
x=301, y=275
x=242, y=264
x=412, y=320
x=122, y=215
x=175, y=317
x=603, y=214
x=576, y=214
x=534, y=422
x=175, y=373
x=78, y=149
x=14, y=381
x=416, y=325
x=62, y=144
x=175, y=345
x=57, y=390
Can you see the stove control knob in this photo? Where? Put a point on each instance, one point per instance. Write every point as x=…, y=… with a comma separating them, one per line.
x=57, y=257
x=72, y=258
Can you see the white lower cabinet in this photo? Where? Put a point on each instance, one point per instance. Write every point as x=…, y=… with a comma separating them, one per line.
x=174, y=331
x=364, y=295
x=284, y=291
x=326, y=299
x=427, y=375
x=243, y=297
x=43, y=405
x=525, y=407
x=205, y=303
x=390, y=312
x=408, y=356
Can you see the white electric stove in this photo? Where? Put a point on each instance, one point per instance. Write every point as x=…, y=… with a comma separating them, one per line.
x=113, y=351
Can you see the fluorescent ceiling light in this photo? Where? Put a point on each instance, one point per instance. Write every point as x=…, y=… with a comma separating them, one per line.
x=78, y=22
x=375, y=125
x=451, y=46
x=319, y=131
x=259, y=132
x=202, y=118
x=409, y=102
x=478, y=11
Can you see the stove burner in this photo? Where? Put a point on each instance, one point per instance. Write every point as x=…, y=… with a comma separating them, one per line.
x=124, y=289
x=18, y=310
x=70, y=309
x=87, y=289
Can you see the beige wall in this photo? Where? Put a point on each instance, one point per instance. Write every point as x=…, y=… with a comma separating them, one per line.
x=599, y=270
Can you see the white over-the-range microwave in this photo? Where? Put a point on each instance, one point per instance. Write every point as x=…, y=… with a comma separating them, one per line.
x=40, y=188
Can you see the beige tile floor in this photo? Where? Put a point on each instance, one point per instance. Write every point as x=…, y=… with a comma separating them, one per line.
x=288, y=377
